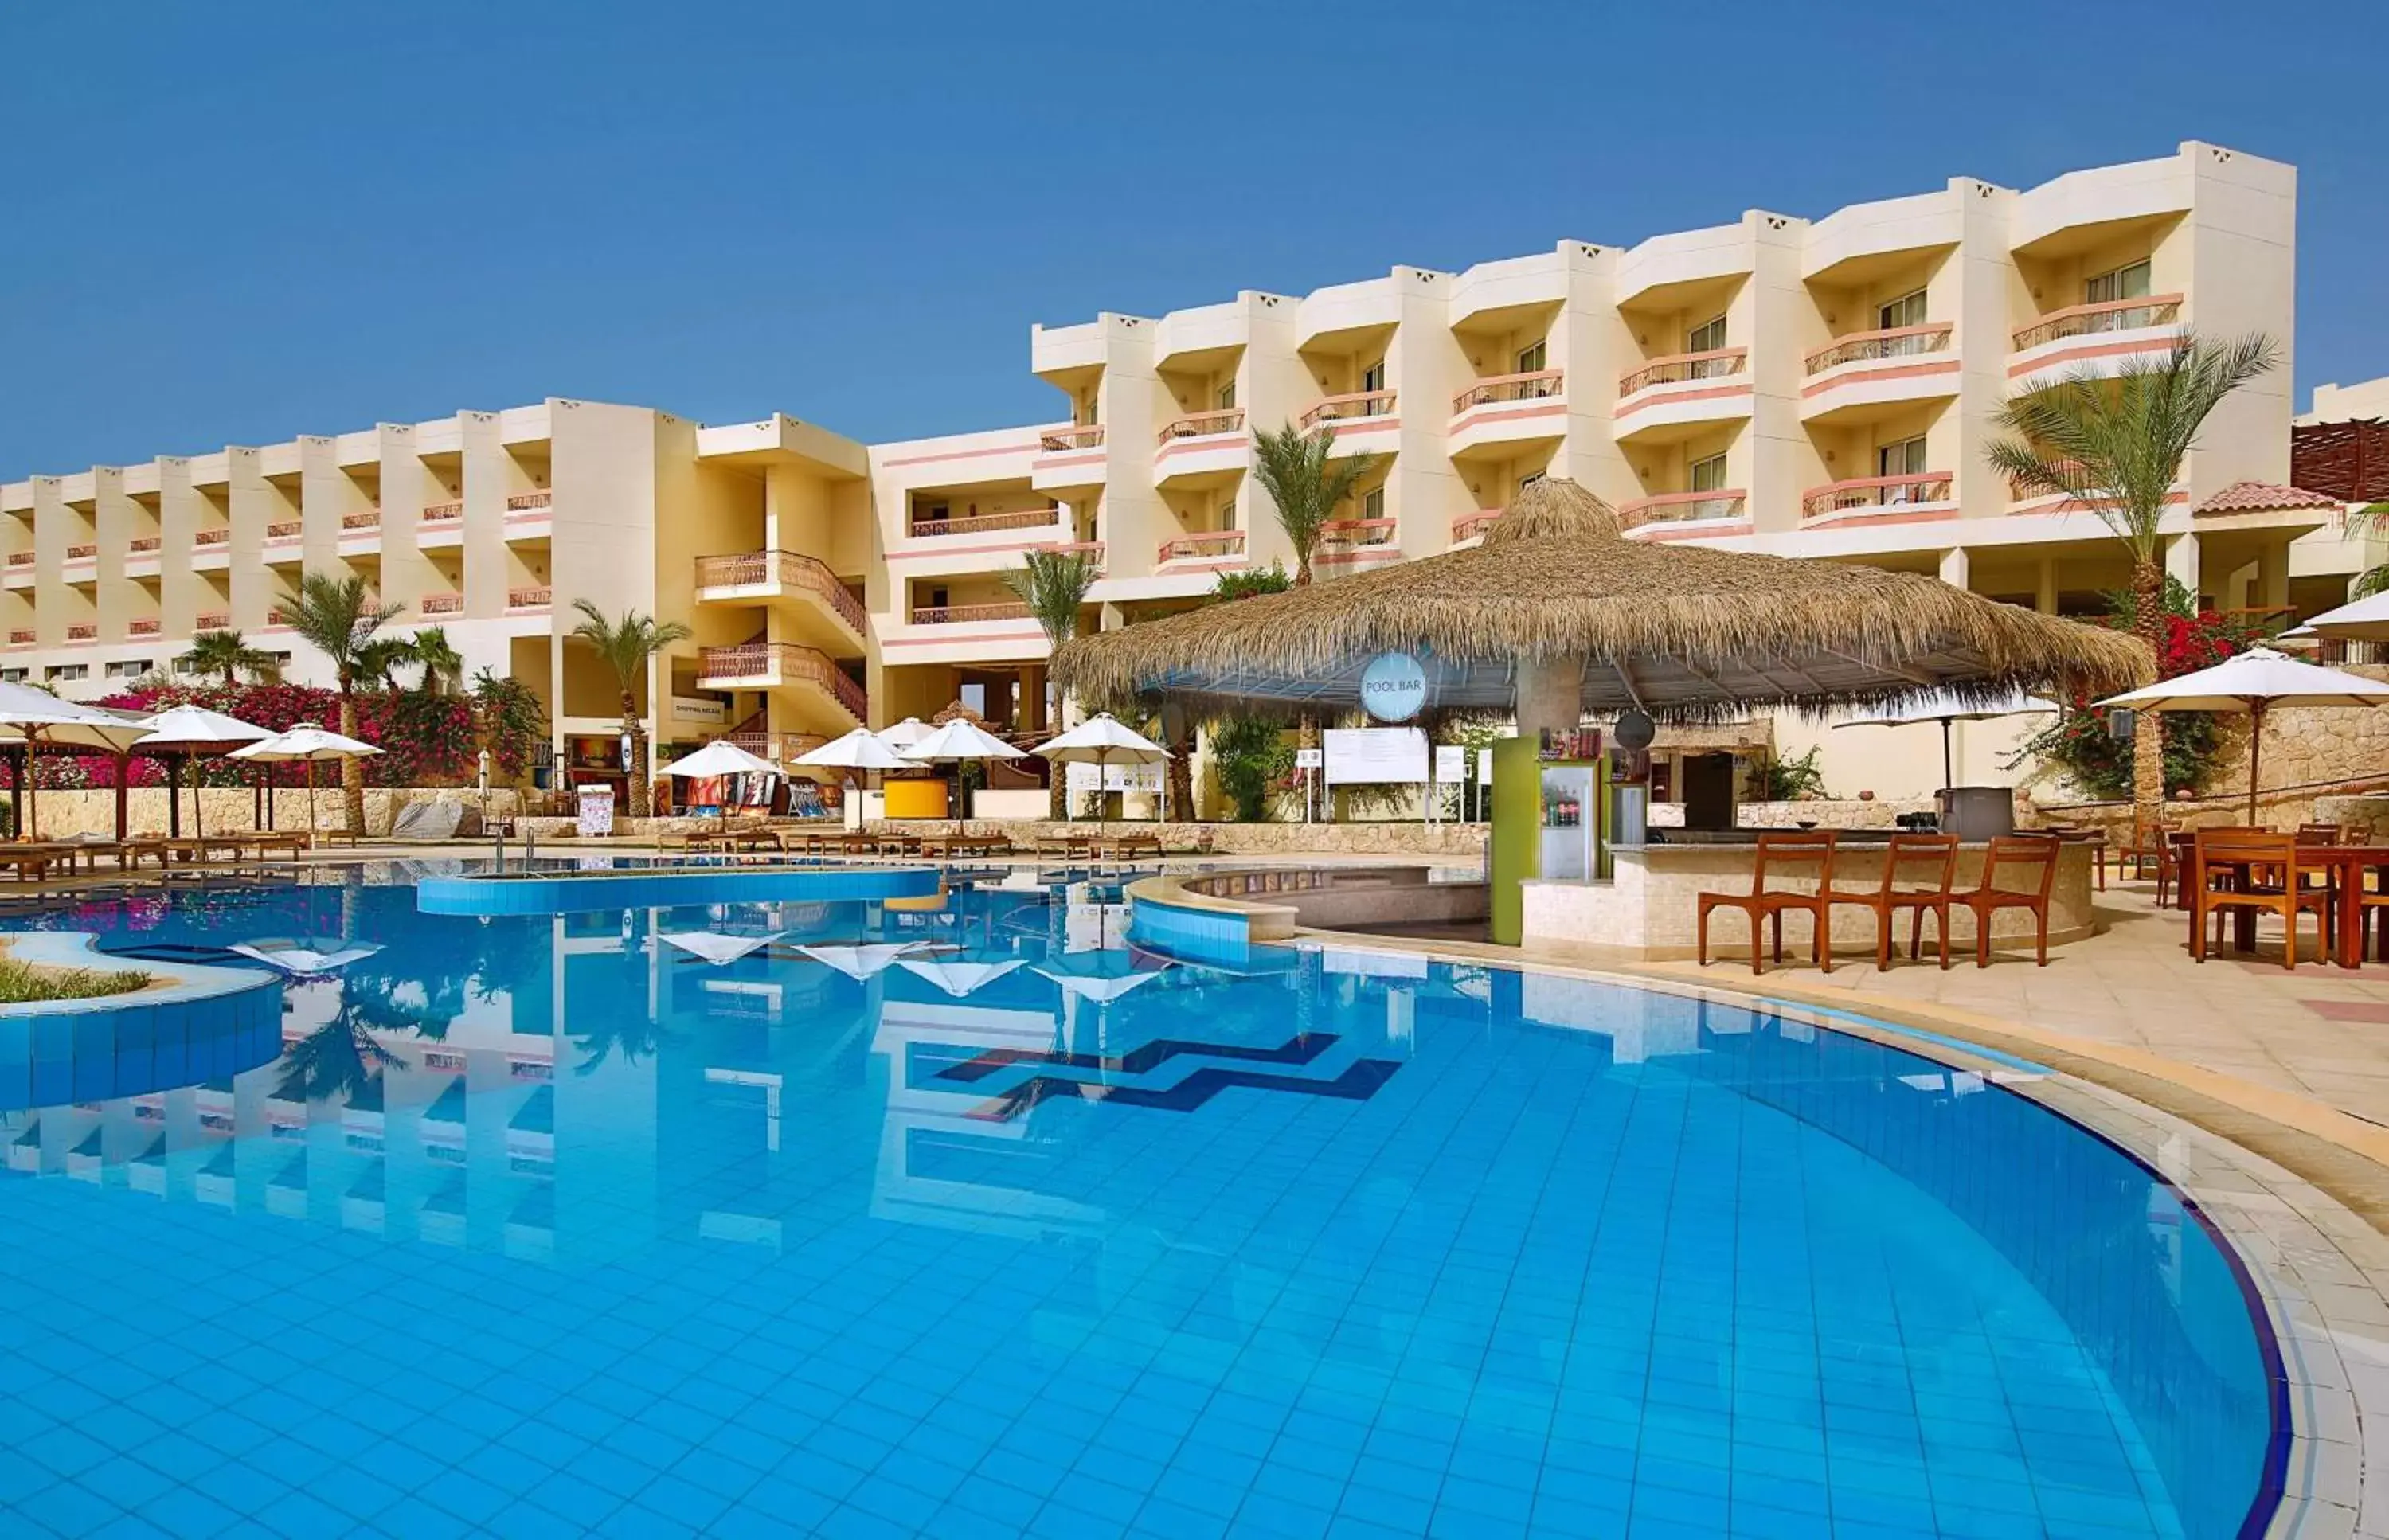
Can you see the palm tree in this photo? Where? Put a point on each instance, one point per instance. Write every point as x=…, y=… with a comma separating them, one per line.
x=625, y=646
x=333, y=615
x=2115, y=446
x=380, y=659
x=1053, y=585
x=225, y=653
x=1307, y=483
x=443, y=666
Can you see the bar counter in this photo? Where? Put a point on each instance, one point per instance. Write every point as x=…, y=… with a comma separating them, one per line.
x=1647, y=912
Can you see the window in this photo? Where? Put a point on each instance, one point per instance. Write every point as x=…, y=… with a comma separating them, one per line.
x=1373, y=378
x=2129, y=282
x=16, y=676
x=1373, y=503
x=938, y=597
x=1906, y=310
x=1530, y=480
x=1225, y=398
x=130, y=667
x=1706, y=337
x=184, y=665
x=974, y=700
x=57, y=672
x=1227, y=513
x=1707, y=476
x=1530, y=358
x=1904, y=458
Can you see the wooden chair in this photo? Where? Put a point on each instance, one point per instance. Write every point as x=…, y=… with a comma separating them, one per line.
x=2260, y=872
x=2018, y=871
x=1786, y=852
x=2150, y=845
x=1935, y=857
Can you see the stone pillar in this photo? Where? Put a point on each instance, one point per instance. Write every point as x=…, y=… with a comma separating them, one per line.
x=1551, y=694
x=2045, y=593
x=1955, y=566
x=2181, y=563
x=2272, y=589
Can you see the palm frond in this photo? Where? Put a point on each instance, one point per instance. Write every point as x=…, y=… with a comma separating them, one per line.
x=1307, y=483
x=626, y=644
x=1053, y=585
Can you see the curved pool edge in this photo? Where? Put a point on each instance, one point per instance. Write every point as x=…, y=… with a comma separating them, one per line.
x=194, y=1019
x=2312, y=1266
x=485, y=895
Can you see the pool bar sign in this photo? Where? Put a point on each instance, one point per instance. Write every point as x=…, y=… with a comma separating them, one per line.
x=1393, y=687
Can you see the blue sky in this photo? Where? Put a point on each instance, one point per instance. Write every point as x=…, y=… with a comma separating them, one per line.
x=236, y=223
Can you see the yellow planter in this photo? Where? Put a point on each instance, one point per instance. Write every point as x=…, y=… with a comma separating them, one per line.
x=917, y=800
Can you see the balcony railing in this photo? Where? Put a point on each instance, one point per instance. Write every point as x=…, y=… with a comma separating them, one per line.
x=213, y=537
x=82, y=552
x=20, y=558
x=530, y=503
x=141, y=545
x=443, y=513
x=1068, y=436
x=290, y=529
x=274, y=617
x=790, y=571
x=147, y=627
x=962, y=614
x=83, y=632
x=1677, y=368
x=1897, y=342
x=1538, y=386
x=1210, y=543
x=790, y=664
x=1467, y=526
x=1681, y=508
x=1352, y=533
x=1092, y=550
x=211, y=620
x=443, y=604
x=21, y=639
x=1200, y=424
x=2108, y=315
x=369, y=519
x=529, y=598
x=1875, y=491
x=976, y=523
x=1344, y=409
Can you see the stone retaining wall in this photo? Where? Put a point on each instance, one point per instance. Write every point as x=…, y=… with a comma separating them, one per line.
x=64, y=813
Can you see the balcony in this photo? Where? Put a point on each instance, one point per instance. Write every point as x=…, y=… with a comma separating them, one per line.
x=784, y=575
x=82, y=632
x=21, y=639
x=146, y=625
x=530, y=601
x=443, y=513
x=143, y=544
x=982, y=524
x=1855, y=378
x=1469, y=527
x=213, y=620
x=443, y=604
x=211, y=548
x=1202, y=449
x=1345, y=544
x=19, y=570
x=275, y=534
x=965, y=615
x=20, y=558
x=441, y=525
x=1068, y=458
x=1362, y=422
x=528, y=515
x=1879, y=499
x=1668, y=398
x=1492, y=415
x=2097, y=338
x=1686, y=516
x=774, y=665
x=369, y=519
x=1210, y=548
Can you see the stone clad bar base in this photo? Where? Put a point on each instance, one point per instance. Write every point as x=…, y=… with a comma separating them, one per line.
x=1647, y=912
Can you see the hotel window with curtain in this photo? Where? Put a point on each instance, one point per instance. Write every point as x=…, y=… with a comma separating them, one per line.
x=1530, y=358
x=1706, y=474
x=2129, y=282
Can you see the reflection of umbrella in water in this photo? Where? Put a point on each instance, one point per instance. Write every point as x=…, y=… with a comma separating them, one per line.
x=1102, y=977
x=307, y=957
x=959, y=979
x=718, y=949
x=863, y=962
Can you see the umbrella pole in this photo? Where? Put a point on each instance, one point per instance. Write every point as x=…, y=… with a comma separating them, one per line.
x=198, y=806
x=1948, y=772
x=173, y=794
x=124, y=773
x=311, y=802
x=2256, y=753
x=32, y=795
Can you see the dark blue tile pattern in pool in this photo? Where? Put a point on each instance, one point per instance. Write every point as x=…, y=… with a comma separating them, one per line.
x=531, y=1229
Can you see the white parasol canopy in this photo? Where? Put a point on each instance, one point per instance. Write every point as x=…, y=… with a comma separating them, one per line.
x=904, y=735
x=42, y=719
x=957, y=741
x=310, y=744
x=189, y=730
x=720, y=757
x=2365, y=620
x=1102, y=741
x=860, y=750
x=2251, y=681
x=1939, y=706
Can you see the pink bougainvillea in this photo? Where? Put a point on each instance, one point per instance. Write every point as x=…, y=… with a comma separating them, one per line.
x=425, y=740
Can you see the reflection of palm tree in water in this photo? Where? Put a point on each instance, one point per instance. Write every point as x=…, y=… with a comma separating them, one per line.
x=343, y=1057
x=619, y=1019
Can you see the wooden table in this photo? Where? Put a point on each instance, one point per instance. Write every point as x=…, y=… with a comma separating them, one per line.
x=2346, y=864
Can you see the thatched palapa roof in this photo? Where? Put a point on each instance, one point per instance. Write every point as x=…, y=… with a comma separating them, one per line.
x=1684, y=632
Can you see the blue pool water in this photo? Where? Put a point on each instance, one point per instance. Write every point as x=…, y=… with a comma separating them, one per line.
x=534, y=1225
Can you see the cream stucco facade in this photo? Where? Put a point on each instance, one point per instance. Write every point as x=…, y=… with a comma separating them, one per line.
x=1817, y=388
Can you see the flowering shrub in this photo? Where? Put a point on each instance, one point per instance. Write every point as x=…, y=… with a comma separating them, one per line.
x=425, y=740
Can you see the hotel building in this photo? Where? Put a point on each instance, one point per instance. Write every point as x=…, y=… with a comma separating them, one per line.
x=1815, y=388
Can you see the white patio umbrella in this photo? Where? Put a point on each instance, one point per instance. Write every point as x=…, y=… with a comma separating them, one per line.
x=2252, y=681
x=958, y=742
x=904, y=735
x=860, y=750
x=2365, y=620
x=43, y=720
x=310, y=744
x=185, y=731
x=720, y=757
x=1943, y=708
x=1103, y=741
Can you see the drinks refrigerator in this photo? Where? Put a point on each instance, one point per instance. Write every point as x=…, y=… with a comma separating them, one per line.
x=1551, y=798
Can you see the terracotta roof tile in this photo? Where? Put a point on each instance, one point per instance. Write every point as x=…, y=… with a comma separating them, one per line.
x=2261, y=496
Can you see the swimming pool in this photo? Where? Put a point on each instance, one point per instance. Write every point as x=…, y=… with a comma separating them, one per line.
x=968, y=1220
